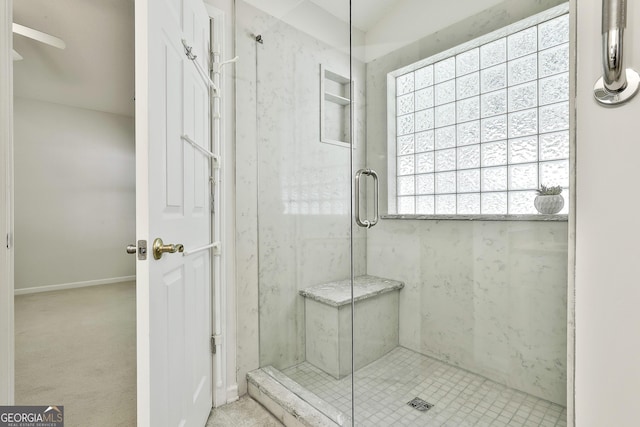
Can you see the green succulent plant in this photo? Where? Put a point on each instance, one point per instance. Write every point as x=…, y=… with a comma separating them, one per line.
x=549, y=191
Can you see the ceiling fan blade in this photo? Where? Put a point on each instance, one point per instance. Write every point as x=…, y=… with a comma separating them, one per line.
x=17, y=56
x=39, y=36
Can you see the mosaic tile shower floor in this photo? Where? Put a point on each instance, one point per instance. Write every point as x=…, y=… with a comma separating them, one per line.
x=460, y=398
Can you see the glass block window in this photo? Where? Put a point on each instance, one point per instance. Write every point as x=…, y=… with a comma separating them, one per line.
x=477, y=129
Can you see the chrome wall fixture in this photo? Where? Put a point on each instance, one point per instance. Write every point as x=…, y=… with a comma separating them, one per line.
x=617, y=85
x=366, y=223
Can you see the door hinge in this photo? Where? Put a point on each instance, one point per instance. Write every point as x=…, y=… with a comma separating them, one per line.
x=215, y=340
x=8, y=241
x=212, y=199
x=216, y=161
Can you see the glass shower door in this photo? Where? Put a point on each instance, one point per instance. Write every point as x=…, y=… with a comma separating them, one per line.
x=460, y=312
x=295, y=150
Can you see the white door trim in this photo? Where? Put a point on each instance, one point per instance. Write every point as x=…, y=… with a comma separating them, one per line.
x=7, y=354
x=142, y=138
x=225, y=384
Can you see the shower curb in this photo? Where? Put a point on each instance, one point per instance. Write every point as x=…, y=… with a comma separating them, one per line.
x=284, y=404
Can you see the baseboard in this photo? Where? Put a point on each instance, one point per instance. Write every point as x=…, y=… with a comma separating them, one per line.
x=232, y=393
x=49, y=288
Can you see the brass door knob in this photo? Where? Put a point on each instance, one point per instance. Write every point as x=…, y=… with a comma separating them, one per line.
x=160, y=248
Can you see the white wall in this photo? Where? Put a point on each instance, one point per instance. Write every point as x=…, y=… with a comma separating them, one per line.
x=607, y=287
x=74, y=194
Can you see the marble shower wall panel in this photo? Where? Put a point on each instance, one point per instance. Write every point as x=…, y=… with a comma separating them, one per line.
x=488, y=296
x=303, y=185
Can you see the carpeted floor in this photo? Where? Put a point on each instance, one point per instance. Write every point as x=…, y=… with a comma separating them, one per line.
x=77, y=348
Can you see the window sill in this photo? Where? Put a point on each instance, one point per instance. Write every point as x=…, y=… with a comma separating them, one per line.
x=531, y=217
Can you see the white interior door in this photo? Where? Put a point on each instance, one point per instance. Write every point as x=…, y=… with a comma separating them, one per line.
x=172, y=202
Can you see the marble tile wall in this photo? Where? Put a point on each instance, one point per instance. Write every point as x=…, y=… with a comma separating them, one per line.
x=297, y=187
x=489, y=296
x=246, y=184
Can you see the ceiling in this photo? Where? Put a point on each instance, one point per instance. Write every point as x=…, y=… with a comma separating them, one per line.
x=95, y=71
x=366, y=13
x=380, y=26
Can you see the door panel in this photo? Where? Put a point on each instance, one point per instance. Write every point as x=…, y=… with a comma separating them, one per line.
x=195, y=126
x=174, y=303
x=199, y=358
x=171, y=112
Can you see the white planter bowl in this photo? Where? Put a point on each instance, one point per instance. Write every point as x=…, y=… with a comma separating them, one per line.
x=549, y=205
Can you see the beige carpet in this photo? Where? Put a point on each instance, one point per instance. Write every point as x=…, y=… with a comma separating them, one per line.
x=77, y=348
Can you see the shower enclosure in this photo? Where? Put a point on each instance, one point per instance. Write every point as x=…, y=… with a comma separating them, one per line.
x=391, y=151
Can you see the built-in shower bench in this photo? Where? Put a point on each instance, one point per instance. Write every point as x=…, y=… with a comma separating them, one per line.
x=328, y=322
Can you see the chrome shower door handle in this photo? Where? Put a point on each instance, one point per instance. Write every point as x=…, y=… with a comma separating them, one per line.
x=360, y=222
x=366, y=223
x=614, y=21
x=617, y=84
x=374, y=175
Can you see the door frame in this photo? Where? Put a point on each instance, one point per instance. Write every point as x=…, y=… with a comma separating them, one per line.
x=143, y=350
x=7, y=349
x=224, y=384
x=222, y=12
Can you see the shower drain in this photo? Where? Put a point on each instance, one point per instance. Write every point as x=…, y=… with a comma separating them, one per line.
x=420, y=404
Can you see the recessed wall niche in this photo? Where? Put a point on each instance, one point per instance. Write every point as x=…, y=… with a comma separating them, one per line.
x=335, y=97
